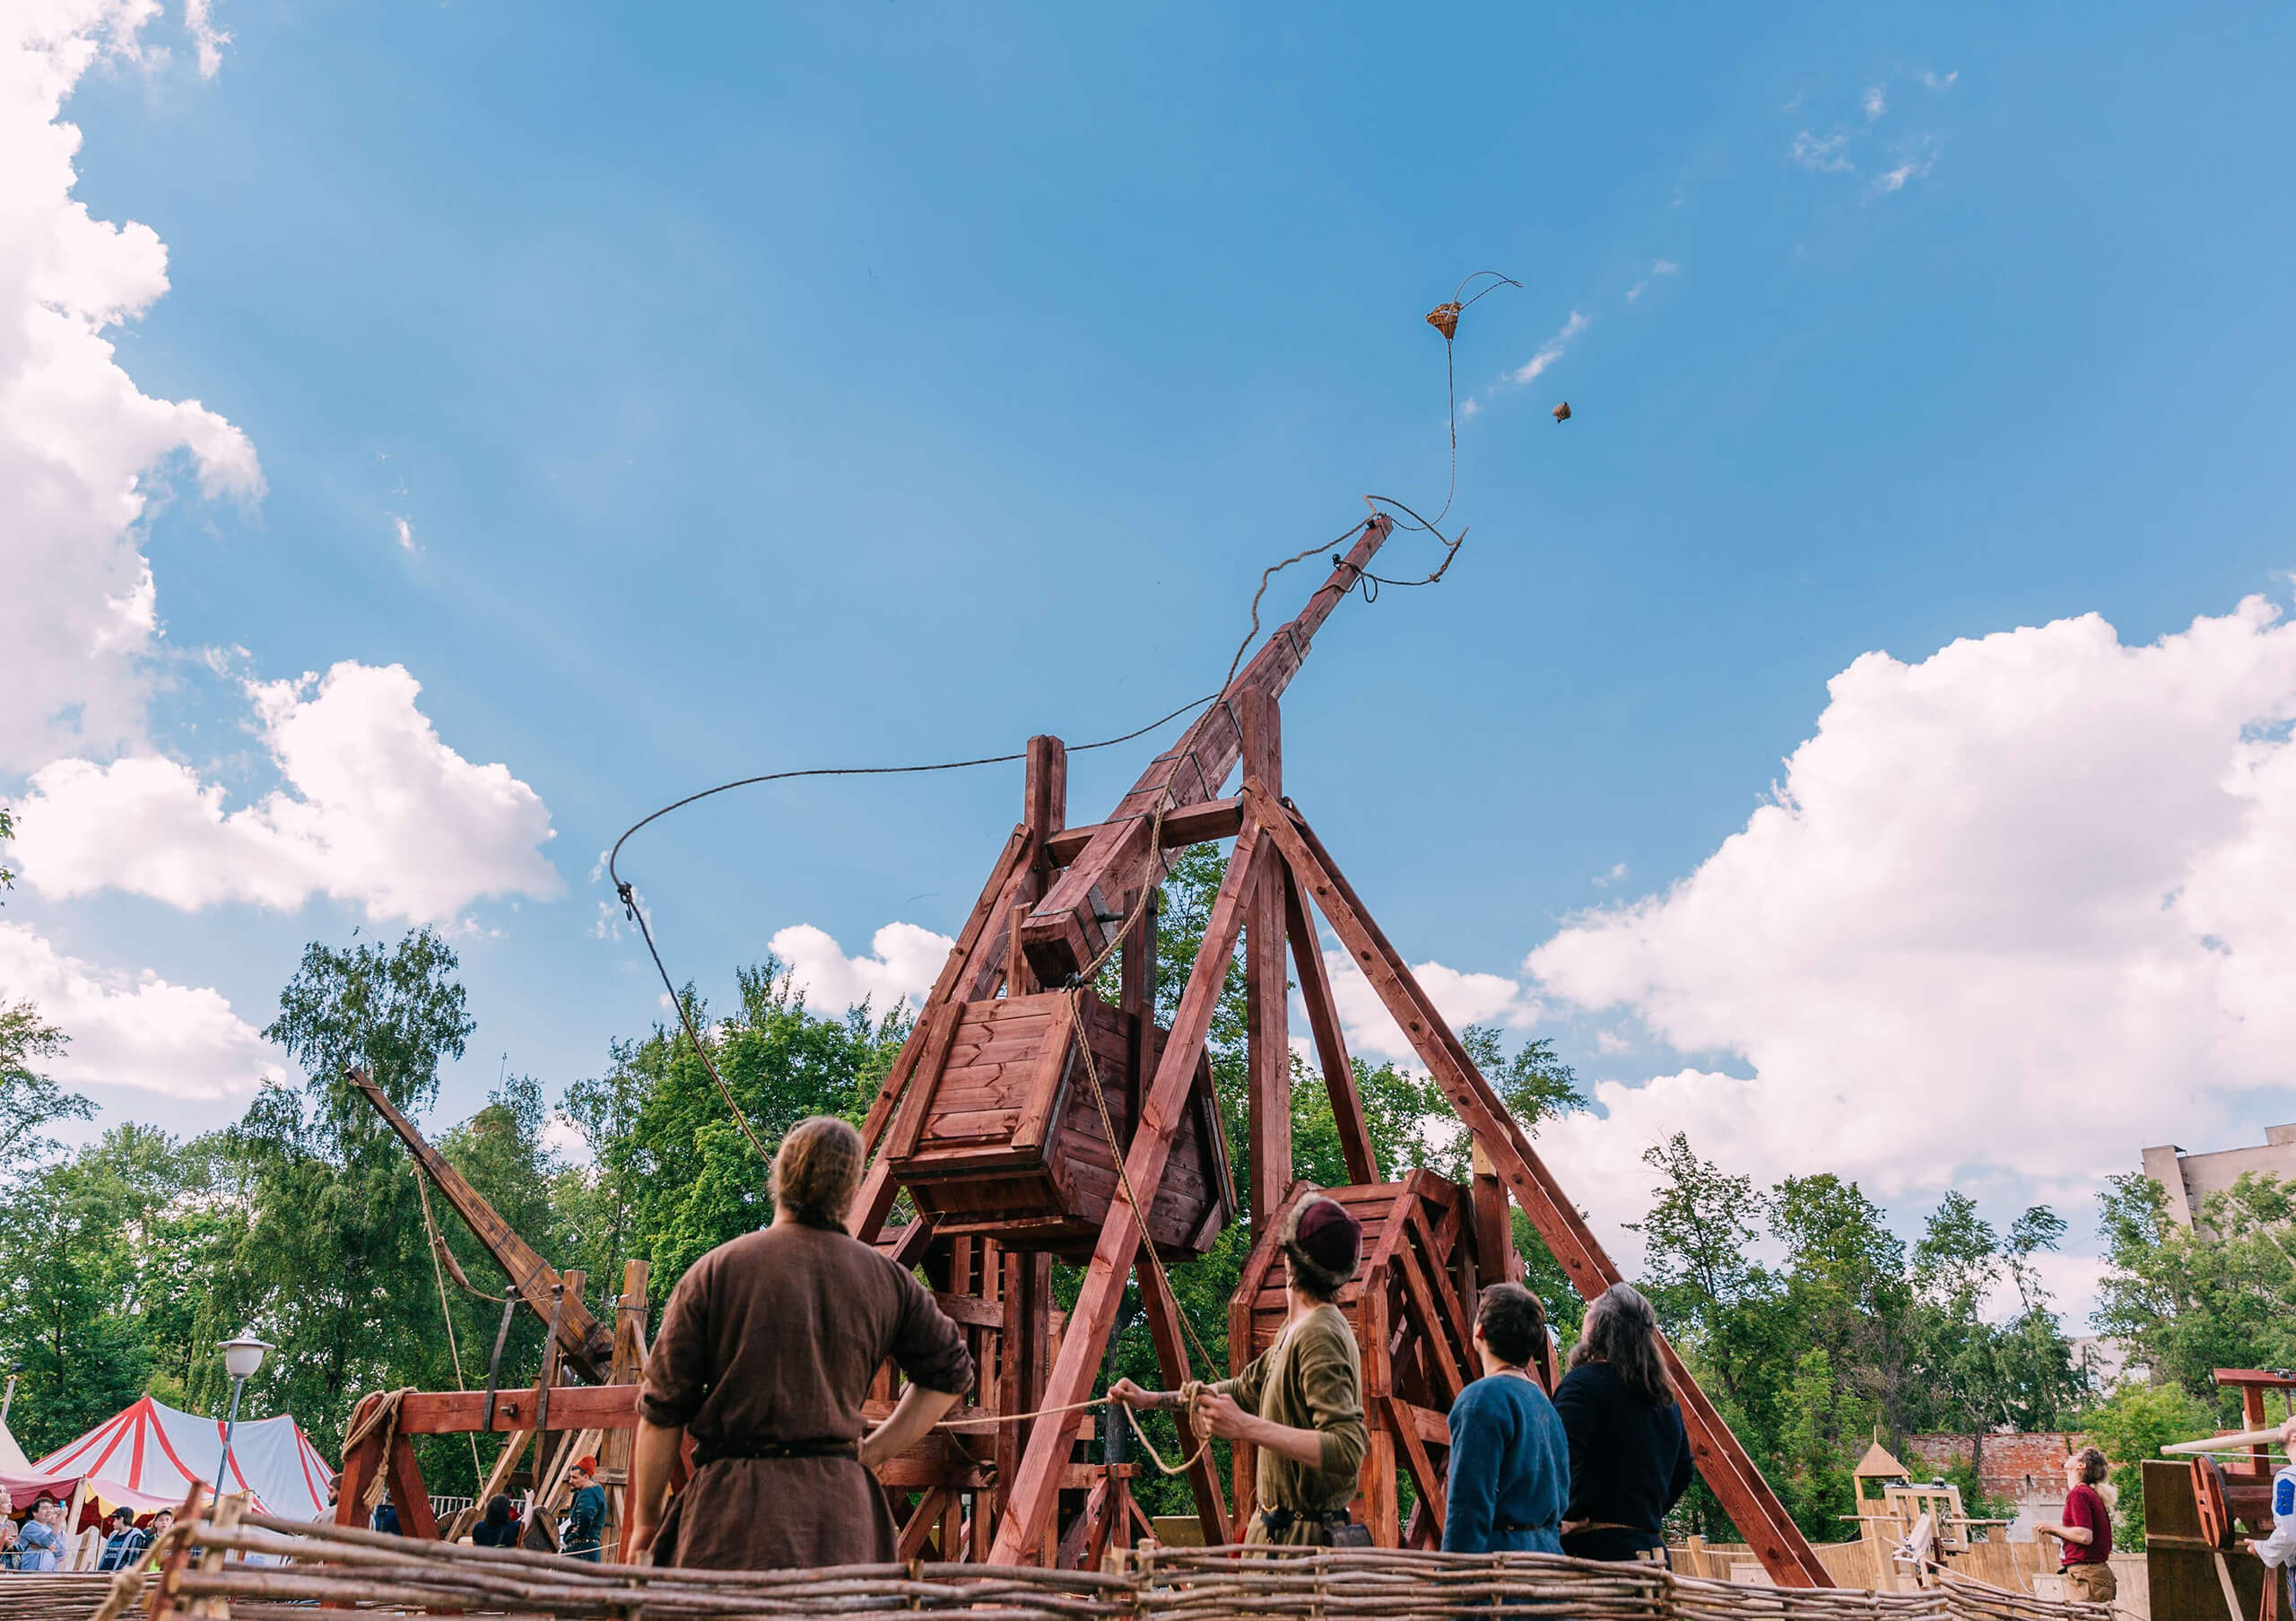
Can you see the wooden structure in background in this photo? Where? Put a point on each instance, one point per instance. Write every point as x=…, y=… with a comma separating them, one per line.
x=1007, y=1164
x=2200, y=1511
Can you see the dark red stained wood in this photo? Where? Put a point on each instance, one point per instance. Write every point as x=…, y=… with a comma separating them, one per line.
x=1206, y=823
x=895, y=1081
x=1745, y=1497
x=584, y=1338
x=941, y=1028
x=1034, y=1492
x=1446, y=1361
x=1266, y=987
x=1065, y=931
x=1331, y=1044
x=1424, y=1474
x=572, y=1407
x=1439, y=1278
x=411, y=1496
x=1171, y=1354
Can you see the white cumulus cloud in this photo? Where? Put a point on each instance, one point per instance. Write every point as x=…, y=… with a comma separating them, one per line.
x=2015, y=911
x=906, y=958
x=1462, y=998
x=138, y=1030
x=377, y=810
x=80, y=443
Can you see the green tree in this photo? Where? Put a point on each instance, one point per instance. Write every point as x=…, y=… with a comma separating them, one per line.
x=2186, y=1300
x=2131, y=1426
x=30, y=1100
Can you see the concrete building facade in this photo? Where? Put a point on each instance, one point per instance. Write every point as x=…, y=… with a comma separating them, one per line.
x=2188, y=1179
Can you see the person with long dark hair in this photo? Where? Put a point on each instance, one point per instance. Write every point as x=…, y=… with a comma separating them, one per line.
x=497, y=1526
x=1630, y=1453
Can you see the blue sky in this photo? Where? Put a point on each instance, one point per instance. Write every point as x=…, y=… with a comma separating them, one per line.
x=676, y=394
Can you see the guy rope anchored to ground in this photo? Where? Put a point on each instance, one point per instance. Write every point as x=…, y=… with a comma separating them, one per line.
x=1445, y=320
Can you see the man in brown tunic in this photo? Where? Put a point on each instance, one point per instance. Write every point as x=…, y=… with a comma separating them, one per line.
x=766, y=1351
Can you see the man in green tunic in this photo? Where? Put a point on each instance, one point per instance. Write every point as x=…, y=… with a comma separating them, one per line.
x=1302, y=1401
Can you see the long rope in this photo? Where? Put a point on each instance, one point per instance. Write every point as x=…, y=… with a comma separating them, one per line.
x=1188, y=1395
x=629, y=895
x=438, y=1273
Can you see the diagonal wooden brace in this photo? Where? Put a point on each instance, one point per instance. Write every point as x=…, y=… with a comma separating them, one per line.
x=1745, y=1497
x=1034, y=1492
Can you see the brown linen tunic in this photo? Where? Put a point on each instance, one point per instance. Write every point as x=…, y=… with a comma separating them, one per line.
x=771, y=1340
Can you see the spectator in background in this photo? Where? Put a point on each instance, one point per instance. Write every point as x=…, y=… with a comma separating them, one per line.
x=386, y=1520
x=497, y=1526
x=2086, y=1532
x=41, y=1542
x=1510, y=1462
x=7, y=1530
x=585, y=1516
x=158, y=1528
x=126, y=1544
x=1630, y=1454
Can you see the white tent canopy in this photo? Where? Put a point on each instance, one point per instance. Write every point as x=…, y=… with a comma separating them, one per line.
x=147, y=1456
x=13, y=1460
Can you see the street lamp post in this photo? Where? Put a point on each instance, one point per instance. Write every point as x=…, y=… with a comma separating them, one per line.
x=241, y=1358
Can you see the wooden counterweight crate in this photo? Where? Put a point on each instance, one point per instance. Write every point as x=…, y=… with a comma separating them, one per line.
x=1000, y=1138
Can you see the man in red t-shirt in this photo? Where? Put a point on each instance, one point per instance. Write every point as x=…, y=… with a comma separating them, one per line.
x=2087, y=1532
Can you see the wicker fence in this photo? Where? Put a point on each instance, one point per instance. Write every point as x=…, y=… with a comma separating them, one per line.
x=206, y=1573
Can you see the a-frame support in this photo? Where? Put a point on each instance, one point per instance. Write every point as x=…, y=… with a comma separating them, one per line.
x=1049, y=912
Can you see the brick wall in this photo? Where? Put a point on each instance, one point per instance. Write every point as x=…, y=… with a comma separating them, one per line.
x=2022, y=1467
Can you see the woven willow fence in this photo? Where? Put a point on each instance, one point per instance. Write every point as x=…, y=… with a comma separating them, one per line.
x=206, y=1574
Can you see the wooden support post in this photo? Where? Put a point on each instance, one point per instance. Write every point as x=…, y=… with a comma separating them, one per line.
x=1136, y=994
x=1035, y=1486
x=1745, y=1497
x=1171, y=1354
x=1267, y=990
x=1331, y=1045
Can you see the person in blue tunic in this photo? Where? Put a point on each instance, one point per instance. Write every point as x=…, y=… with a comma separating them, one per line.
x=1511, y=1461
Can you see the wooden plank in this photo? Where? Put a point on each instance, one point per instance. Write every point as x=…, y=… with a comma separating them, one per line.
x=1033, y=1495
x=1184, y=825
x=1430, y=1328
x=408, y=1492
x=1009, y=861
x=1164, y=1328
x=1068, y=929
x=1424, y=1474
x=1454, y=1314
x=584, y=1338
x=1046, y=1088
x=1331, y=1043
x=1266, y=986
x=1745, y=1497
x=601, y=1407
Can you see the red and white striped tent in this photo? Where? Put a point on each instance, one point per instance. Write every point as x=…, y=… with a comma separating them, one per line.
x=147, y=1456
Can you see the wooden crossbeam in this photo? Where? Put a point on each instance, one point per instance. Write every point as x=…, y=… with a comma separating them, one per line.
x=1206, y=823
x=1745, y=1497
x=1070, y=926
x=1331, y=1046
x=1034, y=1492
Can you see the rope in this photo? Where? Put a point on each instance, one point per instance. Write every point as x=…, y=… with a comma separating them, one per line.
x=453, y=1350
x=1188, y=1390
x=629, y=894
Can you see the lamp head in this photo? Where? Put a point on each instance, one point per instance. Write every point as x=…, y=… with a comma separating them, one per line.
x=243, y=1356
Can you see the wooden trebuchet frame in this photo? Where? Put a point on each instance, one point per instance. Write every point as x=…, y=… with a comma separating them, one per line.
x=1056, y=904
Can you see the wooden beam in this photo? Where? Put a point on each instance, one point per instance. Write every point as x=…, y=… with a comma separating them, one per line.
x=1331, y=1044
x=584, y=1339
x=1184, y=825
x=1424, y=1474
x=1266, y=988
x=1744, y=1496
x=1035, y=1489
x=577, y=1407
x=1070, y=926
x=1171, y=1354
